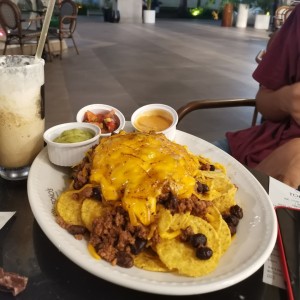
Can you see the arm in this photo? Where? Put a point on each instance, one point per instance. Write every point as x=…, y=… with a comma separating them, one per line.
x=279, y=104
x=278, y=72
x=284, y=163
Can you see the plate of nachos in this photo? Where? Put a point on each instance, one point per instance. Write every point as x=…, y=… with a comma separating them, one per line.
x=175, y=217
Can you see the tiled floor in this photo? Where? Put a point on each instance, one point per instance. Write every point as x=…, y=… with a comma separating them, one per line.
x=171, y=62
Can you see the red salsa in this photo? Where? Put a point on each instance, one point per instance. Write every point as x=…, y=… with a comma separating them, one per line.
x=108, y=121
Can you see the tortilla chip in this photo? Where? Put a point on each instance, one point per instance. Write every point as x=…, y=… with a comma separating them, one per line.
x=181, y=256
x=224, y=202
x=170, y=226
x=90, y=209
x=225, y=237
x=213, y=217
x=149, y=260
x=69, y=208
x=219, y=185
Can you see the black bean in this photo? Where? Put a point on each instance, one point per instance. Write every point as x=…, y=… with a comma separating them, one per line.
x=170, y=201
x=76, y=229
x=124, y=260
x=96, y=193
x=236, y=211
x=197, y=240
x=138, y=246
x=173, y=201
x=199, y=187
x=231, y=220
x=212, y=168
x=202, y=187
x=232, y=229
x=205, y=188
x=204, y=253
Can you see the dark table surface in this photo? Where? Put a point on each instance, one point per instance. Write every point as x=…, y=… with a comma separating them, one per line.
x=26, y=250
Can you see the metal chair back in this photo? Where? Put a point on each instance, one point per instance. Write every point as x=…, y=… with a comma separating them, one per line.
x=14, y=26
x=67, y=23
x=10, y=17
x=68, y=15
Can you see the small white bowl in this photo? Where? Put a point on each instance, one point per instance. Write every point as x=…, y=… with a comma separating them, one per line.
x=69, y=154
x=167, y=113
x=99, y=108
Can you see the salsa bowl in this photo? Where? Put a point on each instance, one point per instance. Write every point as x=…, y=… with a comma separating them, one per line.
x=108, y=118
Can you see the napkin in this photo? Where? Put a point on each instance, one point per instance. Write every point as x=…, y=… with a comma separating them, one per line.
x=281, y=195
x=5, y=216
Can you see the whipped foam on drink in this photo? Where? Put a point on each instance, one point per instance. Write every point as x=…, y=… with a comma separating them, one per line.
x=22, y=120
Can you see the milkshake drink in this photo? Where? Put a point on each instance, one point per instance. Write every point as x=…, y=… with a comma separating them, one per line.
x=22, y=121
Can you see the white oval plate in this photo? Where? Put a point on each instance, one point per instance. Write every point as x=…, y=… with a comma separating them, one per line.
x=249, y=250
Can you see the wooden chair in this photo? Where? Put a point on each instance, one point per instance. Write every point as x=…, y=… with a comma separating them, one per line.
x=67, y=23
x=287, y=13
x=16, y=29
x=281, y=14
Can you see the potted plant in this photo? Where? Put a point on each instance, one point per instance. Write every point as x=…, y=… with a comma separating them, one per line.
x=265, y=5
x=243, y=13
x=262, y=19
x=227, y=13
x=149, y=13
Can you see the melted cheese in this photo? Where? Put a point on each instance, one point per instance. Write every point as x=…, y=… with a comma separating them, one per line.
x=134, y=167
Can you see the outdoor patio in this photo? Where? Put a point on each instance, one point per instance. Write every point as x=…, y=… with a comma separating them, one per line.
x=173, y=61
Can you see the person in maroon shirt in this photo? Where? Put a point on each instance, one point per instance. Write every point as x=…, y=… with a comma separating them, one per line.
x=273, y=147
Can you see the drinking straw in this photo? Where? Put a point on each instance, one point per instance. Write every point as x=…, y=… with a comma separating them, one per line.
x=45, y=28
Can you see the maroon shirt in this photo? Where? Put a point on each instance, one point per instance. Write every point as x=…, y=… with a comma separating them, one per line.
x=280, y=66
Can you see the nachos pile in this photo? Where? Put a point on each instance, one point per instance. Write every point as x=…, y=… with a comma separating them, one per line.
x=142, y=200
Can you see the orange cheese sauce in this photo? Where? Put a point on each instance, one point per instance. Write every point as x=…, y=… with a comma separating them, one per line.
x=155, y=120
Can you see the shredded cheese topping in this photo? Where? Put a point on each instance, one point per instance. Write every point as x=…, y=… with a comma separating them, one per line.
x=134, y=168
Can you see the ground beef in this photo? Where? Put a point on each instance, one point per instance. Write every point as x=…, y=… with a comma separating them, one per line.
x=81, y=173
x=155, y=239
x=83, y=194
x=115, y=239
x=78, y=231
x=93, y=192
x=193, y=205
x=186, y=233
x=165, y=192
x=205, y=166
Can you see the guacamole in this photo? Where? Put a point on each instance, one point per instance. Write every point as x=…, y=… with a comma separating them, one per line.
x=74, y=136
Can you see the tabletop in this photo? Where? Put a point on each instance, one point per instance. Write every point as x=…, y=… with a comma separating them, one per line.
x=26, y=250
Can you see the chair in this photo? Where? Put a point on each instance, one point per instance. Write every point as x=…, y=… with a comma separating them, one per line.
x=217, y=103
x=222, y=103
x=287, y=13
x=281, y=14
x=13, y=25
x=67, y=23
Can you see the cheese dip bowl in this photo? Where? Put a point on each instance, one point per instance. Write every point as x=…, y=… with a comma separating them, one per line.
x=68, y=143
x=159, y=118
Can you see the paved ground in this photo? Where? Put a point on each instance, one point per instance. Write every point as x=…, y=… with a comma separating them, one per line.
x=171, y=62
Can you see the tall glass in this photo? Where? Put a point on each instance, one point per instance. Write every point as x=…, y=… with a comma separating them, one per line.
x=22, y=114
